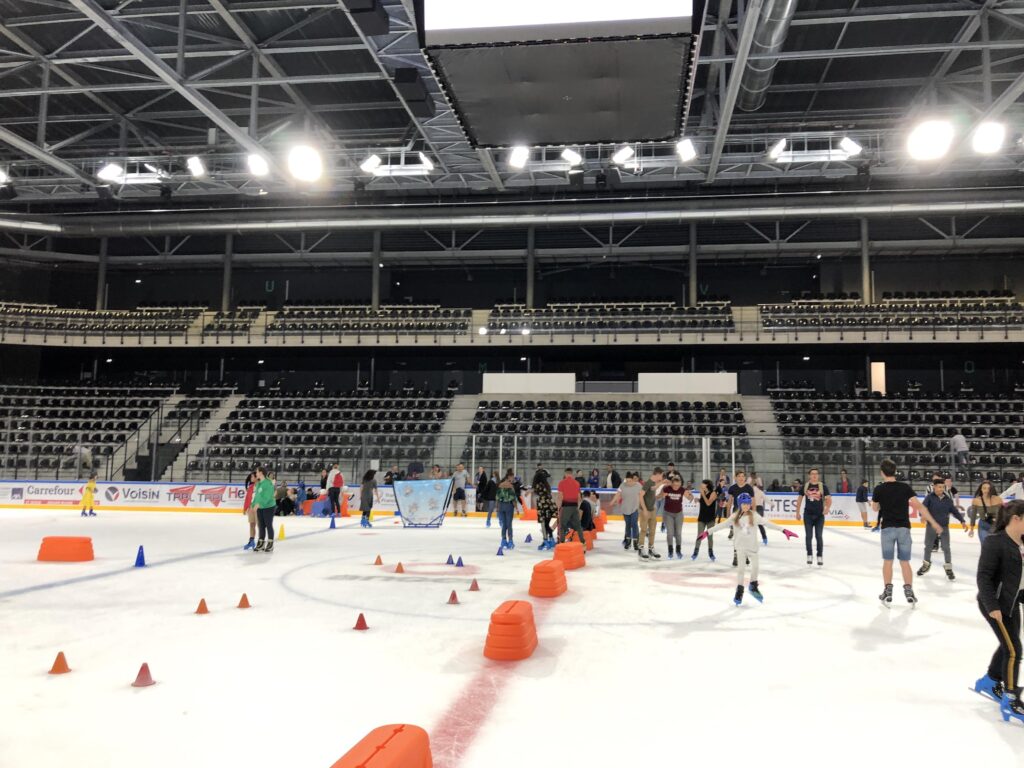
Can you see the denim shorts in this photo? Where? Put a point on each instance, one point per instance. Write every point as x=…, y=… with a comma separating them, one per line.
x=896, y=540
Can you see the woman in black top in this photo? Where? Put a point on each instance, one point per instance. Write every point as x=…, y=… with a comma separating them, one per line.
x=999, y=599
x=706, y=518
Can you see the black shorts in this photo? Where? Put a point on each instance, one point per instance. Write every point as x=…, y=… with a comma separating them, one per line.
x=460, y=494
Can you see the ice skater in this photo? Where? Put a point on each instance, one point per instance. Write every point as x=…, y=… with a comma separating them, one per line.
x=706, y=515
x=984, y=511
x=628, y=499
x=89, y=496
x=999, y=600
x=815, y=501
x=942, y=506
x=506, y=508
x=367, y=494
x=672, y=497
x=863, y=496
x=264, y=506
x=546, y=510
x=250, y=510
x=744, y=523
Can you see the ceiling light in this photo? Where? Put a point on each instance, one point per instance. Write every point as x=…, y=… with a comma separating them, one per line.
x=482, y=331
x=624, y=154
x=776, y=151
x=812, y=156
x=526, y=331
x=571, y=156
x=195, y=166
x=402, y=170
x=258, y=165
x=425, y=161
x=522, y=359
x=686, y=150
x=819, y=257
x=850, y=147
x=4, y=178
x=110, y=172
x=380, y=264
x=304, y=163
x=371, y=164
x=930, y=140
x=988, y=138
x=519, y=157
x=259, y=362
x=504, y=331
x=153, y=169
x=109, y=360
x=138, y=281
x=806, y=359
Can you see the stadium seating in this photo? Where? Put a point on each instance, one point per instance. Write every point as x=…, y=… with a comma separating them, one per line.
x=48, y=320
x=231, y=325
x=323, y=320
x=610, y=317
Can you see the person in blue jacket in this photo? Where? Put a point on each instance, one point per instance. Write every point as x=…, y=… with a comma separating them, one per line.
x=942, y=506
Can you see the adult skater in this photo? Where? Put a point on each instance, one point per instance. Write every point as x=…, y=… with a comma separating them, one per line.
x=628, y=500
x=263, y=504
x=335, y=482
x=250, y=510
x=999, y=599
x=368, y=493
x=569, y=507
x=89, y=496
x=1015, y=492
x=481, y=487
x=587, y=506
x=672, y=496
x=546, y=510
x=460, y=479
x=891, y=500
x=942, y=506
x=745, y=522
x=506, y=506
x=708, y=502
x=863, y=500
x=649, y=513
x=984, y=511
x=815, y=501
x=491, y=496
x=612, y=478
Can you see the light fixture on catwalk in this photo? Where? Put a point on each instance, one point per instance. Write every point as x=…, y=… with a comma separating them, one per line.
x=930, y=140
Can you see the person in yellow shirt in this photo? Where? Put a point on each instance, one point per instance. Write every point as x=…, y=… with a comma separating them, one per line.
x=88, y=495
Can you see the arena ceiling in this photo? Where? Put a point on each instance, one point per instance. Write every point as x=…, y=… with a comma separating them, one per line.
x=149, y=83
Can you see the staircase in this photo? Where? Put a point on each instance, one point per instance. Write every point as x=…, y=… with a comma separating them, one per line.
x=176, y=471
x=765, y=439
x=126, y=463
x=452, y=442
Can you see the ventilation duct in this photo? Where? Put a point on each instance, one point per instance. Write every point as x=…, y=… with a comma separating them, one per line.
x=770, y=36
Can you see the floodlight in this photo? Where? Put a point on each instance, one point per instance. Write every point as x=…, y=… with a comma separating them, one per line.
x=988, y=138
x=4, y=178
x=686, y=150
x=850, y=147
x=519, y=157
x=624, y=154
x=930, y=140
x=304, y=163
x=258, y=165
x=426, y=162
x=776, y=151
x=110, y=172
x=571, y=156
x=195, y=166
x=371, y=164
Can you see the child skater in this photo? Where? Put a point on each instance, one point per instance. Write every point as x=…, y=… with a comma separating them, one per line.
x=745, y=522
x=999, y=599
x=88, y=495
x=546, y=509
x=367, y=494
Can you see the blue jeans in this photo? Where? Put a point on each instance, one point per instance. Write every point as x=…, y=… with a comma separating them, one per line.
x=814, y=527
x=490, y=509
x=505, y=510
x=983, y=529
x=632, y=525
x=896, y=540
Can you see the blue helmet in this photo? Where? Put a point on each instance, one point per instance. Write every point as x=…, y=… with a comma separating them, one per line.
x=743, y=498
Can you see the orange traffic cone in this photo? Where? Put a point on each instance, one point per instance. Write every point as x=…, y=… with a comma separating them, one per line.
x=399, y=568
x=474, y=587
x=454, y=599
x=202, y=609
x=143, y=679
x=361, y=623
x=378, y=561
x=244, y=602
x=60, y=664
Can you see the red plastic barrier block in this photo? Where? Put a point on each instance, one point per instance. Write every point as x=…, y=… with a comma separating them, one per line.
x=390, y=746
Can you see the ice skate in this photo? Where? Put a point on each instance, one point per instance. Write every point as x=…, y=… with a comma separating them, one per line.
x=91, y=513
x=643, y=554
x=738, y=599
x=270, y=546
x=755, y=592
x=1011, y=706
x=250, y=545
x=734, y=561
x=908, y=592
x=821, y=562
x=671, y=553
x=84, y=513
x=810, y=560
x=694, y=555
x=990, y=688
x=625, y=543
x=925, y=567
x=711, y=556
x=259, y=546
x=949, y=572
x=886, y=596
x=510, y=544
x=652, y=554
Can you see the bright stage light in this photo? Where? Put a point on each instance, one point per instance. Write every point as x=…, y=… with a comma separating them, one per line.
x=304, y=163
x=519, y=157
x=850, y=147
x=258, y=165
x=4, y=178
x=482, y=331
x=988, y=138
x=371, y=164
x=571, y=156
x=776, y=151
x=930, y=140
x=195, y=166
x=110, y=172
x=623, y=155
x=686, y=150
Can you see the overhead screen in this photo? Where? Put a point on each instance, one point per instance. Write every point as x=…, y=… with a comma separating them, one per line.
x=550, y=72
x=469, y=22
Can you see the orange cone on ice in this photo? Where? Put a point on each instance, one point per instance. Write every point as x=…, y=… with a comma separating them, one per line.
x=202, y=609
x=60, y=664
x=474, y=587
x=361, y=623
x=399, y=568
x=454, y=599
x=144, y=678
x=244, y=602
x=378, y=561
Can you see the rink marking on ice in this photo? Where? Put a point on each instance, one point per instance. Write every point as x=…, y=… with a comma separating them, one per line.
x=129, y=568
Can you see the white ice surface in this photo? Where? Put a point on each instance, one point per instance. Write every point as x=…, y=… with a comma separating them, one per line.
x=637, y=662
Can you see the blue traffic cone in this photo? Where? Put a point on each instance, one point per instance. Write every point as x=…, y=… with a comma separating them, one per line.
x=501, y=552
x=451, y=560
x=458, y=563
x=140, y=559
x=332, y=523
x=529, y=538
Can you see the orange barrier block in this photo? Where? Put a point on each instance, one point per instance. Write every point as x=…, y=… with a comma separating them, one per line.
x=601, y=521
x=528, y=514
x=590, y=537
x=65, y=549
x=571, y=555
x=344, y=505
x=548, y=579
x=512, y=635
x=390, y=746
x=307, y=507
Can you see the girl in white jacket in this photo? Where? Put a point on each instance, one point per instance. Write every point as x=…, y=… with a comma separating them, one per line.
x=747, y=541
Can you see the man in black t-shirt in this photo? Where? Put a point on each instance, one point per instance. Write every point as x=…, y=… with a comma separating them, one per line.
x=816, y=502
x=892, y=501
x=741, y=486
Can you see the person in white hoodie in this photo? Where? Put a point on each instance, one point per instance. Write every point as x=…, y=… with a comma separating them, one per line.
x=747, y=541
x=1015, y=492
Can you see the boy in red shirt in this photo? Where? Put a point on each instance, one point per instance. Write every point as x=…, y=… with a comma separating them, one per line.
x=569, y=507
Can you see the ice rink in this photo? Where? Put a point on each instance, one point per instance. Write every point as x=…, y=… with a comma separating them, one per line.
x=636, y=663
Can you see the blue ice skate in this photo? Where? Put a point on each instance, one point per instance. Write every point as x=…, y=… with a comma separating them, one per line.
x=250, y=545
x=755, y=592
x=1011, y=707
x=986, y=686
x=510, y=544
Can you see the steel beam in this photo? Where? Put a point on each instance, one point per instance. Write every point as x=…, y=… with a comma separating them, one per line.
x=44, y=156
